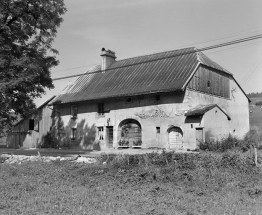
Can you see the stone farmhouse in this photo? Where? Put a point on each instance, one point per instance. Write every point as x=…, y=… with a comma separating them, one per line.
x=174, y=99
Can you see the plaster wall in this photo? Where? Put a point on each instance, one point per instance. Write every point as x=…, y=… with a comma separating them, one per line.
x=167, y=112
x=236, y=107
x=150, y=113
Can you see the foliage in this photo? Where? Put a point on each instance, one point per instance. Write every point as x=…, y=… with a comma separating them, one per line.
x=27, y=30
x=50, y=141
x=222, y=145
x=254, y=95
x=137, y=143
x=123, y=142
x=259, y=103
x=251, y=139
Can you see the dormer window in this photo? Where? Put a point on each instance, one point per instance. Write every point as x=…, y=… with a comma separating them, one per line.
x=74, y=111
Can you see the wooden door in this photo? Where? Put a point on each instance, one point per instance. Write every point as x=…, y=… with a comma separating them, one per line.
x=199, y=136
x=175, y=137
x=110, y=136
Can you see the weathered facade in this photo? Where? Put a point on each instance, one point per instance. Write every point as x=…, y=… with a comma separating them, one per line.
x=173, y=99
x=29, y=132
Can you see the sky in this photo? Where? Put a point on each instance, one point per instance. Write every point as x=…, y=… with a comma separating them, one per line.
x=139, y=27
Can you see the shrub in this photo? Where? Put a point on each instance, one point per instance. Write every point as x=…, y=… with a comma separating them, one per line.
x=253, y=137
x=259, y=103
x=220, y=145
x=49, y=141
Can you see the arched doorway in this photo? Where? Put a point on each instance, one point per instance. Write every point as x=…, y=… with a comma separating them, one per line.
x=130, y=133
x=175, y=136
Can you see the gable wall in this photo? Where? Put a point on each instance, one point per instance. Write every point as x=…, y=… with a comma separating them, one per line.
x=219, y=82
x=236, y=106
x=21, y=136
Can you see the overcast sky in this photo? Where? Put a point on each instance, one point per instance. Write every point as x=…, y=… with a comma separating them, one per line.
x=137, y=27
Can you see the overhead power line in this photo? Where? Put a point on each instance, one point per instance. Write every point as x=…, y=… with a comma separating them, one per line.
x=175, y=55
x=242, y=40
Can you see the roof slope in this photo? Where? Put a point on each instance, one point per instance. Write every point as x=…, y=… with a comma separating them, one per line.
x=161, y=72
x=202, y=109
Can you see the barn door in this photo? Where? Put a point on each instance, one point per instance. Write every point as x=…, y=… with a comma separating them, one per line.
x=175, y=137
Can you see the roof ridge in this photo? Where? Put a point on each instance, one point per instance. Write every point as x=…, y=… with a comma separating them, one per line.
x=155, y=53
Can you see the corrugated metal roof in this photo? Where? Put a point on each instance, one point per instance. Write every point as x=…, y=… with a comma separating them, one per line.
x=202, y=109
x=161, y=72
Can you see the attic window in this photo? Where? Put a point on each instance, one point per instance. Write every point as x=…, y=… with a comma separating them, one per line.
x=208, y=83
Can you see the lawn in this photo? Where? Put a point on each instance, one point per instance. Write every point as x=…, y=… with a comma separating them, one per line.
x=205, y=183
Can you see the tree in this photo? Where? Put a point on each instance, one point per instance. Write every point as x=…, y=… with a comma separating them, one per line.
x=27, y=30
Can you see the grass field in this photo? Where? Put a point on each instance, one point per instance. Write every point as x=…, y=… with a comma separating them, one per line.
x=206, y=183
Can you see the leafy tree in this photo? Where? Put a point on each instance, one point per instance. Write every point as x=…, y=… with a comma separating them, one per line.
x=27, y=30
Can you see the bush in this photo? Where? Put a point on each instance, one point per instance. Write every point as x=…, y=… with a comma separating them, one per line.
x=259, y=103
x=49, y=141
x=220, y=146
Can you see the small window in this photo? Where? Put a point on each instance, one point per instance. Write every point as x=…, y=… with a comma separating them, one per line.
x=101, y=110
x=129, y=100
x=73, y=134
x=158, y=130
x=208, y=83
x=100, y=133
x=74, y=110
x=31, y=124
x=157, y=97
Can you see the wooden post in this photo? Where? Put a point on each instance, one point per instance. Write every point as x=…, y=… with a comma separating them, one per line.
x=255, y=152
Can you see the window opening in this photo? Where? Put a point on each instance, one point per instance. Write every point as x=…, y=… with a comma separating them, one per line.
x=73, y=134
x=101, y=110
x=208, y=83
x=158, y=130
x=31, y=124
x=100, y=133
x=74, y=110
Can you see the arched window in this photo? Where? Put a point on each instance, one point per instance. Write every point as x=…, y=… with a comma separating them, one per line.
x=130, y=133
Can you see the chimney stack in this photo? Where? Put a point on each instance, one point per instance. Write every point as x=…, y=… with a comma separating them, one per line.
x=108, y=57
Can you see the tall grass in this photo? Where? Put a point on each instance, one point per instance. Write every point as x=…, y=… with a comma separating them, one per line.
x=165, y=183
x=252, y=139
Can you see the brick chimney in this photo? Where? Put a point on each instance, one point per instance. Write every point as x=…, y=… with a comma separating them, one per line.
x=108, y=57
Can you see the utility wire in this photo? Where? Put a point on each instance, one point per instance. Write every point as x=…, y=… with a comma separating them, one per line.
x=188, y=45
x=175, y=55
